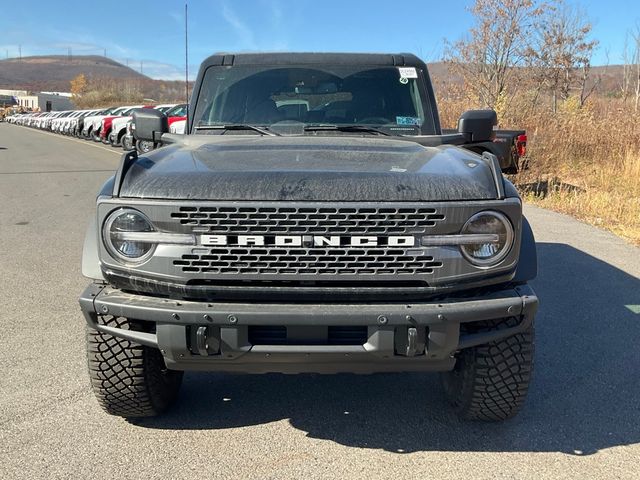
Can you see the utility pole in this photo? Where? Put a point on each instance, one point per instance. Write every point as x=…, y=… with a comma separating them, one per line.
x=20, y=52
x=141, y=67
x=186, y=53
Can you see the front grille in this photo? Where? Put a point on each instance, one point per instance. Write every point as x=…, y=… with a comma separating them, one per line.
x=312, y=220
x=313, y=261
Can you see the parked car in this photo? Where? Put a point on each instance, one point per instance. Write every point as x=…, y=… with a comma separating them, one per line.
x=119, y=125
x=91, y=127
x=175, y=115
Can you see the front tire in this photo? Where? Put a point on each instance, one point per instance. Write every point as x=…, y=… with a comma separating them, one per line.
x=128, y=379
x=490, y=382
x=145, y=146
x=127, y=143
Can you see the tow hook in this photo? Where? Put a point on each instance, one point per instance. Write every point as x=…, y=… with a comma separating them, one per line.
x=412, y=341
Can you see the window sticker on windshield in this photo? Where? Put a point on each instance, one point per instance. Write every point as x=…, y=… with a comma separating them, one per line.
x=408, y=121
x=408, y=72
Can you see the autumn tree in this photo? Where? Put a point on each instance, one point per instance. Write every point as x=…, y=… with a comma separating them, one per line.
x=496, y=44
x=78, y=86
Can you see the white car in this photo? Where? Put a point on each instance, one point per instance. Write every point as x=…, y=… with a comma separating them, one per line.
x=119, y=125
x=91, y=128
x=178, y=127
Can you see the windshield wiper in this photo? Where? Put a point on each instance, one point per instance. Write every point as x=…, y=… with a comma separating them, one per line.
x=238, y=126
x=344, y=128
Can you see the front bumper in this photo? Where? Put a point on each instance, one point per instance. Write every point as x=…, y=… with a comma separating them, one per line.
x=417, y=336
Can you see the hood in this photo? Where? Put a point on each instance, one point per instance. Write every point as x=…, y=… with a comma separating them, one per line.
x=310, y=168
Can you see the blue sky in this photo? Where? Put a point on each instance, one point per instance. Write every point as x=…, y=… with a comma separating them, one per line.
x=151, y=31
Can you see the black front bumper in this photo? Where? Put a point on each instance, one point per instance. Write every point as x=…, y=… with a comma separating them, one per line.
x=416, y=336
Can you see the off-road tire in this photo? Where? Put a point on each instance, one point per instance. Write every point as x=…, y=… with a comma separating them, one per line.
x=128, y=379
x=490, y=382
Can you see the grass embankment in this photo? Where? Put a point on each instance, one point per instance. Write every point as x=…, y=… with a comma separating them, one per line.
x=584, y=162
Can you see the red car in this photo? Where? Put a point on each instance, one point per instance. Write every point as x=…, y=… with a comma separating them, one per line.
x=105, y=129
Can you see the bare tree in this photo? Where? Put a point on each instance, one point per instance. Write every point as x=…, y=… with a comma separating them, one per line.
x=635, y=66
x=496, y=44
x=560, y=53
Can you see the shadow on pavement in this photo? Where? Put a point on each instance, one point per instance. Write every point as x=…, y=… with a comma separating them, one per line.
x=584, y=396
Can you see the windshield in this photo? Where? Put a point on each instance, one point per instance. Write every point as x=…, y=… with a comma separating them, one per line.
x=389, y=99
x=177, y=111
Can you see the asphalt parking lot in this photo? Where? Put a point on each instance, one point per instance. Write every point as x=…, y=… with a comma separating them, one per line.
x=582, y=418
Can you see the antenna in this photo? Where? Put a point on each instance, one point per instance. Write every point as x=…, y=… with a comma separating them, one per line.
x=186, y=52
x=20, y=52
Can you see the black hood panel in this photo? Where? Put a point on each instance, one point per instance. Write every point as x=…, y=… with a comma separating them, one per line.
x=244, y=167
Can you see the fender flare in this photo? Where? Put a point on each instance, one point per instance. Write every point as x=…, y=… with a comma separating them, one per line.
x=90, y=250
x=90, y=257
x=527, y=268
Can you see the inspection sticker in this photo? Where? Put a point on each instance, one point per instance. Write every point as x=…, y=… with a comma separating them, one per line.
x=408, y=72
x=408, y=121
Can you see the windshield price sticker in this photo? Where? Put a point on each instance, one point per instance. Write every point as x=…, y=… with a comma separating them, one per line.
x=408, y=72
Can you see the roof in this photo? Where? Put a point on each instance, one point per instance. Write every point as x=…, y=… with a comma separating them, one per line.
x=301, y=58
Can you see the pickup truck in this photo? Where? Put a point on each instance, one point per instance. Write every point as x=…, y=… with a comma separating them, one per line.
x=313, y=218
x=509, y=146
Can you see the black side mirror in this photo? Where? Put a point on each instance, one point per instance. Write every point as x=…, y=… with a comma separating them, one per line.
x=477, y=125
x=149, y=124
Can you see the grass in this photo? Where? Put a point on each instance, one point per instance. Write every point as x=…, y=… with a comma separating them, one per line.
x=604, y=196
x=582, y=160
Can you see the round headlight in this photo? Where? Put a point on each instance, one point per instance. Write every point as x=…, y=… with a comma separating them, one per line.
x=117, y=226
x=495, y=238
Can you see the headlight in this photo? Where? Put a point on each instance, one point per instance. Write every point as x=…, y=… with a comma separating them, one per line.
x=495, y=238
x=119, y=234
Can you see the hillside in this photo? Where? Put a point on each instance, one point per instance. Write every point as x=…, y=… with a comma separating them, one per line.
x=53, y=72
x=609, y=76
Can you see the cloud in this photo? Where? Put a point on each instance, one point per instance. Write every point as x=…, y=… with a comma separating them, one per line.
x=242, y=30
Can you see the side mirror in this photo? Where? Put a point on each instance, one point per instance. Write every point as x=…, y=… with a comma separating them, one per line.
x=149, y=124
x=477, y=125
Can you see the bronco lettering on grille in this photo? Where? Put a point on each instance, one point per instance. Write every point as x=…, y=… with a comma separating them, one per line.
x=307, y=240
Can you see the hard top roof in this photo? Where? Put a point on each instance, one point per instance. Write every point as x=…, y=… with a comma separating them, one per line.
x=301, y=58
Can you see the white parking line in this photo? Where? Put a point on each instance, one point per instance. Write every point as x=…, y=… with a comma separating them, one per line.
x=89, y=143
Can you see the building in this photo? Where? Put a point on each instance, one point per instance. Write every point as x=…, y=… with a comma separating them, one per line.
x=42, y=101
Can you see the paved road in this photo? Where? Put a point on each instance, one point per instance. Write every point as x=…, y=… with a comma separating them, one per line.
x=582, y=419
